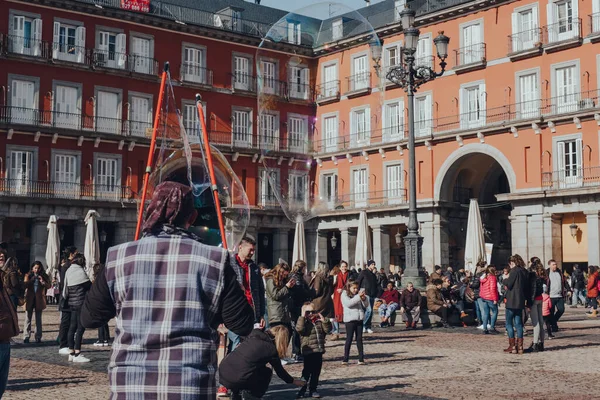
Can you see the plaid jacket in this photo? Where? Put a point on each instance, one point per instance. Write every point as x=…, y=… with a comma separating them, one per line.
x=166, y=290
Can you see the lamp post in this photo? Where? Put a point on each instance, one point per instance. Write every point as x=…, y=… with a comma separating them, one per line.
x=410, y=77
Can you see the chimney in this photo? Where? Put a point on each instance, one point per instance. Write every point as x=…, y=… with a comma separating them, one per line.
x=257, y=2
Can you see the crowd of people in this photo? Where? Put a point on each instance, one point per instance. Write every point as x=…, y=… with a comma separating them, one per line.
x=171, y=293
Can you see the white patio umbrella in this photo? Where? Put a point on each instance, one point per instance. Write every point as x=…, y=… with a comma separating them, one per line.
x=52, y=247
x=363, y=242
x=475, y=243
x=299, y=252
x=91, y=250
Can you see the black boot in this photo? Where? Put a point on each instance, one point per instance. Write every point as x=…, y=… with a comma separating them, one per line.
x=301, y=392
x=541, y=347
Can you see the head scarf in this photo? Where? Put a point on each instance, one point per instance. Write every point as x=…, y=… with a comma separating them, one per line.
x=171, y=201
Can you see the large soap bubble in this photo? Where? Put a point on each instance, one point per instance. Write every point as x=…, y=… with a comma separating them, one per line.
x=288, y=93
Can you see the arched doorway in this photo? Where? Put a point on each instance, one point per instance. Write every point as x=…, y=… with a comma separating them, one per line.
x=481, y=176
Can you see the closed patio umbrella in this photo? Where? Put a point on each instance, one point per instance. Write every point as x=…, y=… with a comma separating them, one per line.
x=92, y=243
x=52, y=247
x=299, y=252
x=475, y=243
x=363, y=242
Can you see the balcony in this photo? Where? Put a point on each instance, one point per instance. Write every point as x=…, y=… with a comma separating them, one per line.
x=525, y=44
x=358, y=85
x=246, y=140
x=328, y=92
x=128, y=62
x=388, y=135
x=300, y=92
x=562, y=35
x=64, y=190
x=243, y=83
x=25, y=46
x=365, y=200
x=571, y=178
x=594, y=22
x=195, y=74
x=470, y=58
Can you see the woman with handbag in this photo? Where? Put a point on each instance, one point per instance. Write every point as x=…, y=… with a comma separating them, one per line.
x=37, y=283
x=9, y=327
x=77, y=284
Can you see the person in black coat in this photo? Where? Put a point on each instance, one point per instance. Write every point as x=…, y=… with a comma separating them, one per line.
x=367, y=279
x=245, y=369
x=517, y=287
x=299, y=294
x=65, y=315
x=579, y=286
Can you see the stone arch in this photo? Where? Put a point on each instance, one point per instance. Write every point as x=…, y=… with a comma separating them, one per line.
x=452, y=162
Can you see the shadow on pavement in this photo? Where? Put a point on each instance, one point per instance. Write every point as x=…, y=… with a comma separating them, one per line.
x=42, y=383
x=571, y=346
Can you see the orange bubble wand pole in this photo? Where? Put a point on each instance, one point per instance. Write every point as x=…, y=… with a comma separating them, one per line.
x=211, y=170
x=151, y=151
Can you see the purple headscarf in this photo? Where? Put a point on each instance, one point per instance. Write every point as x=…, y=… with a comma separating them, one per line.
x=172, y=203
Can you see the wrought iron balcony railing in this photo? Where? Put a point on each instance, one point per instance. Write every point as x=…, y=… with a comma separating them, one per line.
x=65, y=190
x=470, y=55
x=571, y=178
x=328, y=91
x=358, y=83
x=525, y=40
x=564, y=30
x=364, y=200
x=194, y=73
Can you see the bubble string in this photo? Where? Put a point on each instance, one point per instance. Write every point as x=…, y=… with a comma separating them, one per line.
x=151, y=151
x=211, y=170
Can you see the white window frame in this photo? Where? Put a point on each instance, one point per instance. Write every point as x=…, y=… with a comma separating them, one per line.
x=330, y=144
x=141, y=63
x=303, y=201
x=299, y=90
x=19, y=44
x=595, y=16
x=425, y=59
x=330, y=88
x=270, y=84
x=398, y=48
x=569, y=102
x=112, y=126
x=103, y=57
x=337, y=29
x=393, y=133
x=237, y=140
x=108, y=193
x=466, y=114
x=333, y=201
x=294, y=32
x=359, y=199
x=61, y=188
x=70, y=120
x=243, y=80
x=554, y=27
x=360, y=137
x=269, y=140
x=472, y=52
x=140, y=128
x=568, y=178
x=19, y=115
x=264, y=187
x=20, y=187
x=398, y=196
x=424, y=128
x=531, y=109
x=192, y=71
x=299, y=144
x=525, y=40
x=360, y=80
x=194, y=131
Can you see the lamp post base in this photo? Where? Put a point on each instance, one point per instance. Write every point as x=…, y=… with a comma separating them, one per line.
x=413, y=243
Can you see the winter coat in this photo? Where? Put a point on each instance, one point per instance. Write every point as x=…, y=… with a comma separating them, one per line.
x=410, y=300
x=9, y=322
x=277, y=303
x=563, y=282
x=516, y=288
x=488, y=289
x=579, y=282
x=546, y=305
x=435, y=301
x=592, y=286
x=382, y=280
x=340, y=283
x=535, y=288
x=368, y=280
x=299, y=294
x=313, y=335
x=76, y=294
x=354, y=307
x=12, y=282
x=391, y=296
x=242, y=364
x=322, y=289
x=35, y=299
x=257, y=287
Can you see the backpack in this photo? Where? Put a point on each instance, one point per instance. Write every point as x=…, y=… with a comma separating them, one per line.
x=469, y=295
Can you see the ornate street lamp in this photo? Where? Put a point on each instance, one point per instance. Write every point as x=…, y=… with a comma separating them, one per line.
x=103, y=236
x=573, y=228
x=410, y=77
x=333, y=241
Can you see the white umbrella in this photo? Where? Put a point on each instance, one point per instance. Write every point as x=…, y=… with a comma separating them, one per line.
x=92, y=243
x=363, y=242
x=52, y=247
x=475, y=243
x=299, y=252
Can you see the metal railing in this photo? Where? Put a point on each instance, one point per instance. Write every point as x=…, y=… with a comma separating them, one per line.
x=358, y=82
x=247, y=140
x=566, y=29
x=26, y=46
x=386, y=135
x=525, y=40
x=470, y=54
x=594, y=23
x=243, y=82
x=425, y=61
x=194, y=73
x=571, y=178
x=300, y=91
x=365, y=200
x=328, y=91
x=64, y=190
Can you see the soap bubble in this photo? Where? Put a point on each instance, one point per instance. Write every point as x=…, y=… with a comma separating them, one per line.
x=287, y=95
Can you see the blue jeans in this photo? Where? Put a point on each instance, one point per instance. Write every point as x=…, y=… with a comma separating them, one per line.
x=234, y=339
x=369, y=313
x=514, y=319
x=478, y=311
x=488, y=307
x=385, y=310
x=336, y=327
x=4, y=365
x=578, y=294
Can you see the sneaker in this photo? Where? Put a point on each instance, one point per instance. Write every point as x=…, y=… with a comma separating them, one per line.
x=80, y=359
x=361, y=363
x=222, y=392
x=283, y=362
x=64, y=351
x=344, y=362
x=480, y=327
x=98, y=343
x=106, y=344
x=26, y=340
x=71, y=357
x=315, y=395
x=369, y=330
x=301, y=392
x=365, y=329
x=489, y=327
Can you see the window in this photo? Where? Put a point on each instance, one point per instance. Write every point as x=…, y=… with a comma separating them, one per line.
x=68, y=42
x=360, y=130
x=298, y=189
x=299, y=82
x=570, y=162
x=528, y=95
x=297, y=133
x=566, y=88
x=26, y=35
x=21, y=171
x=107, y=179
x=242, y=128
x=67, y=107
x=423, y=55
x=525, y=29
x=269, y=131
x=330, y=81
x=194, y=61
x=392, y=56
x=330, y=129
x=269, y=76
x=394, y=183
x=393, y=121
x=472, y=101
x=472, y=44
x=140, y=116
x=337, y=28
x=423, y=115
x=398, y=7
x=360, y=73
x=269, y=183
x=329, y=189
x=65, y=174
x=595, y=17
x=24, y=101
x=108, y=112
x=191, y=121
x=242, y=73
x=294, y=32
x=563, y=20
x=111, y=51
x=141, y=51
x=228, y=19
x=360, y=189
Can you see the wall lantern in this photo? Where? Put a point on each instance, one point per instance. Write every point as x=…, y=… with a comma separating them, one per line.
x=333, y=241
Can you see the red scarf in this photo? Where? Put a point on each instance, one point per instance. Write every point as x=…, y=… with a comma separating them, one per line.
x=245, y=279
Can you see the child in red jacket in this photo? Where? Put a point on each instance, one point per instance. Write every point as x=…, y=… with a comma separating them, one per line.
x=546, y=307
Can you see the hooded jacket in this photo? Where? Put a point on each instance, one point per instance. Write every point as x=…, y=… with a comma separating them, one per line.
x=516, y=288
x=435, y=301
x=354, y=307
x=313, y=334
x=277, y=303
x=368, y=280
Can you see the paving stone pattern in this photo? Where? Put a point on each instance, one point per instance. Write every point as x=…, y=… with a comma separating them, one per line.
x=438, y=363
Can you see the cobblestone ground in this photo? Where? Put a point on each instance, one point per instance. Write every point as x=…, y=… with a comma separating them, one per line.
x=459, y=363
